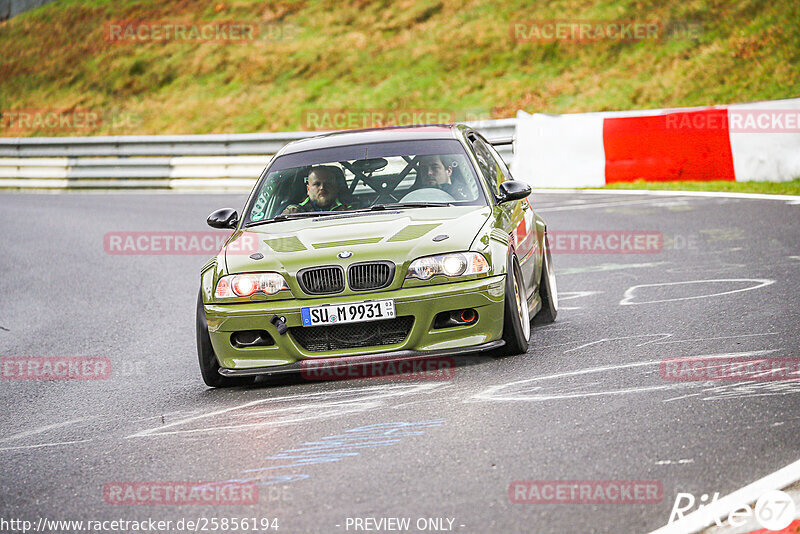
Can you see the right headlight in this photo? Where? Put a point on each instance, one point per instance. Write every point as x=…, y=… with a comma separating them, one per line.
x=450, y=265
x=244, y=285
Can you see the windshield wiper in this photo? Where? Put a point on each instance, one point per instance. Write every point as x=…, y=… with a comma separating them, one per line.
x=298, y=215
x=397, y=205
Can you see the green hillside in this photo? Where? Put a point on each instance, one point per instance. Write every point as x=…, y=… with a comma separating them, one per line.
x=451, y=59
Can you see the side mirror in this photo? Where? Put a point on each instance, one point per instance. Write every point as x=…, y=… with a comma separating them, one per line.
x=224, y=218
x=513, y=190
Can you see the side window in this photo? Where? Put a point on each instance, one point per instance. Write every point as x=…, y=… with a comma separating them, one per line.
x=486, y=163
x=502, y=168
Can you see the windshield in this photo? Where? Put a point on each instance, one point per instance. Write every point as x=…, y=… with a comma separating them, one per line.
x=366, y=177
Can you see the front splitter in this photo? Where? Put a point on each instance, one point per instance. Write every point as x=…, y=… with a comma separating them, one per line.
x=331, y=363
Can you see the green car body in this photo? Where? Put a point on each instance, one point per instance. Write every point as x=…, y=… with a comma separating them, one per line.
x=508, y=234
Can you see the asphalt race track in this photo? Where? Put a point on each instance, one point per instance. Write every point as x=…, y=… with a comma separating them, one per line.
x=587, y=402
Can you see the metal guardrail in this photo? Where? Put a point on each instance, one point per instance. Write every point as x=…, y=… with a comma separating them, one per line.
x=163, y=161
x=12, y=8
x=148, y=145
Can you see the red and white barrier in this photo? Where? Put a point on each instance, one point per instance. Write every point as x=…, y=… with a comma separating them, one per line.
x=758, y=141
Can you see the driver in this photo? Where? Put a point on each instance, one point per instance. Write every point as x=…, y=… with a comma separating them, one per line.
x=434, y=173
x=323, y=191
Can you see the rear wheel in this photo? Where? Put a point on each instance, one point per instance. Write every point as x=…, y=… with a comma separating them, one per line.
x=209, y=366
x=516, y=319
x=548, y=291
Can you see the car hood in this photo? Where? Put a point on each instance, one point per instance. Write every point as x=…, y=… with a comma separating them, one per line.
x=398, y=236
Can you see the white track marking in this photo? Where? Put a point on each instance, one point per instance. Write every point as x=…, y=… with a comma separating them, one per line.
x=19, y=447
x=710, y=267
x=683, y=397
x=494, y=393
x=567, y=295
x=609, y=267
x=554, y=346
x=712, y=338
x=741, y=390
x=574, y=295
x=651, y=342
x=675, y=462
x=792, y=199
x=700, y=519
x=606, y=339
x=41, y=429
x=617, y=203
x=629, y=293
x=560, y=326
x=330, y=404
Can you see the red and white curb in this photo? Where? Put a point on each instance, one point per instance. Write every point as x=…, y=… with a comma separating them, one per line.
x=721, y=508
x=742, y=142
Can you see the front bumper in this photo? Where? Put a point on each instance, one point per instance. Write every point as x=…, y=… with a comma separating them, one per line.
x=423, y=303
x=322, y=364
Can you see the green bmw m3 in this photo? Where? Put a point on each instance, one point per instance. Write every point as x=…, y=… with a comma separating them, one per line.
x=387, y=244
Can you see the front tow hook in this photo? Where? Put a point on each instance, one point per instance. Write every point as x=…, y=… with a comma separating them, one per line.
x=280, y=324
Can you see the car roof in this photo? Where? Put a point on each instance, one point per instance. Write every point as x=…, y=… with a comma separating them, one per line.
x=372, y=135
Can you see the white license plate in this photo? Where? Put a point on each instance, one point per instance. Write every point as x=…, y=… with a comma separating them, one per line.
x=356, y=312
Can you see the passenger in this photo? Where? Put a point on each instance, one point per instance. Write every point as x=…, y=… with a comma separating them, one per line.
x=433, y=172
x=322, y=186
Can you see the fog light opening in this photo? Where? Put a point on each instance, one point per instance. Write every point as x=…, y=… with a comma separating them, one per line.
x=453, y=318
x=251, y=338
x=468, y=316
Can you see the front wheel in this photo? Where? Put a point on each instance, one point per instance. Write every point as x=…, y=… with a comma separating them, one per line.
x=516, y=319
x=209, y=366
x=548, y=291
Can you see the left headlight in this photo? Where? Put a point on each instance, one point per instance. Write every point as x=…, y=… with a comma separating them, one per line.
x=244, y=285
x=450, y=265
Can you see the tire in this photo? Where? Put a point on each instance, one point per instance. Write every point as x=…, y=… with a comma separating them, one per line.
x=548, y=291
x=516, y=317
x=209, y=366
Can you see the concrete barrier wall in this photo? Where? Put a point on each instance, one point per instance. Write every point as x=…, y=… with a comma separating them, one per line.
x=766, y=156
x=756, y=141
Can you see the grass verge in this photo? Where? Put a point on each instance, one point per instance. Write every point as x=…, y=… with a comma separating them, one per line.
x=322, y=64
x=774, y=188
